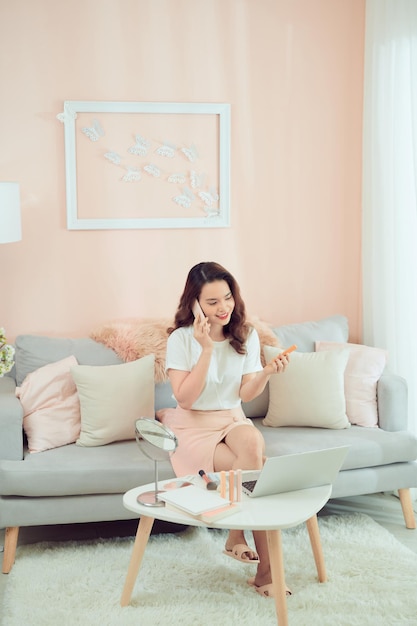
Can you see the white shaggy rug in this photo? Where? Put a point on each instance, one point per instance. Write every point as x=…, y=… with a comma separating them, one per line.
x=186, y=580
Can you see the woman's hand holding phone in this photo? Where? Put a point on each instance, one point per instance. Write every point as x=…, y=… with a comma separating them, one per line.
x=198, y=311
x=280, y=362
x=201, y=326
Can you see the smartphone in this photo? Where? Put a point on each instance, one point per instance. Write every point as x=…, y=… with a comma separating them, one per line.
x=290, y=349
x=198, y=311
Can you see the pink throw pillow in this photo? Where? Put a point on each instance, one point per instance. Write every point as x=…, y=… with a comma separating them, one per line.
x=51, y=406
x=364, y=368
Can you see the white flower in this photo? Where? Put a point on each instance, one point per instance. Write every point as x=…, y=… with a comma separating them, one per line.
x=6, y=354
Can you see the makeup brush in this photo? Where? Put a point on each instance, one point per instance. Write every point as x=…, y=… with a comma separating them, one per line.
x=210, y=484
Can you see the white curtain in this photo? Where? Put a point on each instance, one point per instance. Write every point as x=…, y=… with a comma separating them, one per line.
x=389, y=244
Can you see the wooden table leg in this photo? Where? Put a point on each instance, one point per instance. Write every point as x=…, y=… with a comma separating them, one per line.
x=278, y=576
x=10, y=545
x=407, y=507
x=142, y=536
x=314, y=533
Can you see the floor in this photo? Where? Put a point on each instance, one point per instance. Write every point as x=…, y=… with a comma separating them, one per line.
x=383, y=508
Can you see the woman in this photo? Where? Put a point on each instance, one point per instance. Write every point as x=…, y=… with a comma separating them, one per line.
x=213, y=363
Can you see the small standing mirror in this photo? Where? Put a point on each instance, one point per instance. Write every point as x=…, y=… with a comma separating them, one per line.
x=157, y=442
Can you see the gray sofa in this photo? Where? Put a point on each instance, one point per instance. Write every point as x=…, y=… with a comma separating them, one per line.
x=72, y=484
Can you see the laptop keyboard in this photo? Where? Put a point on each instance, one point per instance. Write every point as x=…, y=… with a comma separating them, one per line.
x=249, y=485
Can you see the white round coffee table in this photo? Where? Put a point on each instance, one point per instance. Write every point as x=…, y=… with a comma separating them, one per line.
x=270, y=513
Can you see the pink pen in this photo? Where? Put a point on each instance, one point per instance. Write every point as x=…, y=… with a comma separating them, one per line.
x=223, y=484
x=231, y=486
x=239, y=485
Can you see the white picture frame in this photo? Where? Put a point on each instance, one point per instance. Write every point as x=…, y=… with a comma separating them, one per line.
x=118, y=155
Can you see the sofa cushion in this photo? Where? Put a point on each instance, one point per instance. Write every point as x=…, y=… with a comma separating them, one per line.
x=305, y=334
x=370, y=447
x=51, y=406
x=35, y=351
x=112, y=397
x=77, y=470
x=363, y=370
x=120, y=466
x=310, y=392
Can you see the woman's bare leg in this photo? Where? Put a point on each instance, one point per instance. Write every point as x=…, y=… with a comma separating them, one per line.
x=243, y=448
x=263, y=573
x=248, y=446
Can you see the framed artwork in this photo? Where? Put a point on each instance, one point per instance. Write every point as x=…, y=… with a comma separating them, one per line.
x=146, y=165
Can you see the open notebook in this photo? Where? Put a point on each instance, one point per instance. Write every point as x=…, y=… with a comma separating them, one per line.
x=295, y=471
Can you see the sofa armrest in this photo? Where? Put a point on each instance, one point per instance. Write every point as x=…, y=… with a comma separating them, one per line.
x=392, y=400
x=11, y=421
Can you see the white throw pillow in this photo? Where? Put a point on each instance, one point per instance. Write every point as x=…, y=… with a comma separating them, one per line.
x=112, y=398
x=364, y=369
x=310, y=392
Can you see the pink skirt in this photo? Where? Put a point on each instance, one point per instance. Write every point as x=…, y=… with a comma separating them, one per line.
x=198, y=434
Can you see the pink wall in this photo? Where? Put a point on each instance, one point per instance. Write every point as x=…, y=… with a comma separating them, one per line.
x=292, y=72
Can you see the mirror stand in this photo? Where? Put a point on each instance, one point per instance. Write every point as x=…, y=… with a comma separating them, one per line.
x=150, y=498
x=157, y=442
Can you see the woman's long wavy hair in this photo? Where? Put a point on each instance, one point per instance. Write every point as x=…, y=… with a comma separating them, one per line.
x=237, y=329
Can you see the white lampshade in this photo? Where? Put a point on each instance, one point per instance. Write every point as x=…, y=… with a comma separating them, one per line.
x=10, y=227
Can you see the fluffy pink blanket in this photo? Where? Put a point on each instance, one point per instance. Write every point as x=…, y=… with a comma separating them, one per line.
x=134, y=338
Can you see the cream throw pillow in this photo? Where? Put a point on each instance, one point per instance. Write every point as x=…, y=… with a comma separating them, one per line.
x=310, y=392
x=112, y=397
x=364, y=369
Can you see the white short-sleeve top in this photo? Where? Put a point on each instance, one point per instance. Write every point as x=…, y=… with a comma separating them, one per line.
x=226, y=369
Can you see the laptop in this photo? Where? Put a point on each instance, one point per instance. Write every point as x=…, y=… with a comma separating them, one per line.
x=294, y=471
